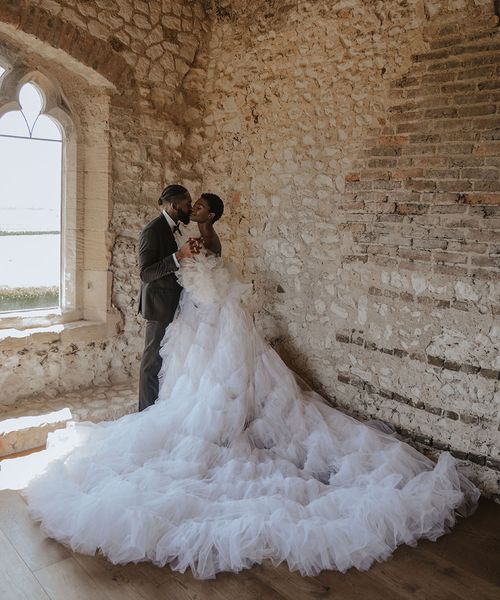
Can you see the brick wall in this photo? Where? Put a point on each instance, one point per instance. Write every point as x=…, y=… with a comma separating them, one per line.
x=431, y=179
x=431, y=182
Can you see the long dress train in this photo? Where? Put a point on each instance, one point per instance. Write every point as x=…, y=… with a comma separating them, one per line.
x=235, y=463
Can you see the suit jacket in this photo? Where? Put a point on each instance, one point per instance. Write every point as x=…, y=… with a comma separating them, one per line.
x=160, y=290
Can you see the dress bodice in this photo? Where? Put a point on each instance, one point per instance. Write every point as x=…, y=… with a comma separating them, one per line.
x=208, y=279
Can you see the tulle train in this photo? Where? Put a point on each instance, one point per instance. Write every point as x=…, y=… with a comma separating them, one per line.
x=236, y=464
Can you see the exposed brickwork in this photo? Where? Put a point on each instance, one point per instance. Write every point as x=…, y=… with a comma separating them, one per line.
x=367, y=387
x=427, y=300
x=24, y=425
x=435, y=165
x=356, y=337
x=418, y=404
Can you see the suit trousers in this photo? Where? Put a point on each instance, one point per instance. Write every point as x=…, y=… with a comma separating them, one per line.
x=151, y=363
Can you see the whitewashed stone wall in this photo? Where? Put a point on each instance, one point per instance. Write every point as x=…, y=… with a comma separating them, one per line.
x=153, y=53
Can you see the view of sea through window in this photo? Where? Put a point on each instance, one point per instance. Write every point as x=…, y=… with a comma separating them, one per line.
x=30, y=206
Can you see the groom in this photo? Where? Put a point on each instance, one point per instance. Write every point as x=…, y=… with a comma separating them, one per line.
x=159, y=259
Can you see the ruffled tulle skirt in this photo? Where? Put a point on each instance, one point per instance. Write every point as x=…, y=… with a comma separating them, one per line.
x=235, y=464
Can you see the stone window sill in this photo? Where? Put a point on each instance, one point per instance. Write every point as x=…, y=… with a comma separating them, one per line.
x=42, y=317
x=66, y=333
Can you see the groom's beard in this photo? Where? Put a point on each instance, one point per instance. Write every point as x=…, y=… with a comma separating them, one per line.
x=183, y=217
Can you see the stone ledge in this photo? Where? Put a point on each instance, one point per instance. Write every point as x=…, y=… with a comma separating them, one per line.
x=75, y=331
x=18, y=434
x=25, y=426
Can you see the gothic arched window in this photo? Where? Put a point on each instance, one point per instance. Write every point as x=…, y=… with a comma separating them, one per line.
x=55, y=203
x=31, y=154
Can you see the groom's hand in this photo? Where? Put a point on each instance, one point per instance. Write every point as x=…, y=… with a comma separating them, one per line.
x=188, y=250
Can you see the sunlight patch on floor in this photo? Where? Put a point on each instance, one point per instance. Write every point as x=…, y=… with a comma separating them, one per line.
x=29, y=421
x=16, y=473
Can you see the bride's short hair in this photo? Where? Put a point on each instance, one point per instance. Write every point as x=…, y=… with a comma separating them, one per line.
x=215, y=205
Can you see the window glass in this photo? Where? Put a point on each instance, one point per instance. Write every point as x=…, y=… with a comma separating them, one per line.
x=30, y=206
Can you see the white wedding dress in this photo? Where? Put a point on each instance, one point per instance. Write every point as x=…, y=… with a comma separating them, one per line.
x=235, y=464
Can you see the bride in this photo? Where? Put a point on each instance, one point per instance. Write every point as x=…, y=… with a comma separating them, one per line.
x=235, y=463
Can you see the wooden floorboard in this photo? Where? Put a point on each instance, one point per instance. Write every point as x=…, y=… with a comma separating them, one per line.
x=474, y=544
x=17, y=582
x=463, y=565
x=35, y=548
x=360, y=585
x=414, y=573
x=131, y=582
x=67, y=580
x=114, y=580
x=228, y=586
x=290, y=584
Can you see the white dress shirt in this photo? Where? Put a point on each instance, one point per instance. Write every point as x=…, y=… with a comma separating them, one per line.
x=172, y=224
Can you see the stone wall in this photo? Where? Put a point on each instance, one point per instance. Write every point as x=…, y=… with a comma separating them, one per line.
x=152, y=55
x=356, y=143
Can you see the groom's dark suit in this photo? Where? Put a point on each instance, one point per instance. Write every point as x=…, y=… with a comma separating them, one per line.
x=158, y=300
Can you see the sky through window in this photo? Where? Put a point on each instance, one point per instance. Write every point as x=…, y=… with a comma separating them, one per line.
x=30, y=198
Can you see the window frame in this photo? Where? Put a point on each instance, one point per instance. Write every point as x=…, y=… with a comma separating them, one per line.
x=52, y=101
x=86, y=280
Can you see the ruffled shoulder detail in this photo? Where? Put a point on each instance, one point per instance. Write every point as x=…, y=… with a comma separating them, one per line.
x=209, y=280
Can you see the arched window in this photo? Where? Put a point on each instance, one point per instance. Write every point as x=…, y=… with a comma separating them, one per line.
x=55, y=203
x=31, y=152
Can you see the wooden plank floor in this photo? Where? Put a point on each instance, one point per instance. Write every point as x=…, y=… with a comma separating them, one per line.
x=464, y=565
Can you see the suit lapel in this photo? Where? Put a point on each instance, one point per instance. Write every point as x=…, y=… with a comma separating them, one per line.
x=166, y=233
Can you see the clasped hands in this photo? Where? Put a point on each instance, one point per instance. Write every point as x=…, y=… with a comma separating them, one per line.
x=190, y=248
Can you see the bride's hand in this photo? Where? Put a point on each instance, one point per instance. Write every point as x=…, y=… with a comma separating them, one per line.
x=197, y=243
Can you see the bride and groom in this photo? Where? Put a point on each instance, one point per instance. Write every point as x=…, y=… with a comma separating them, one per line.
x=159, y=261
x=233, y=463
